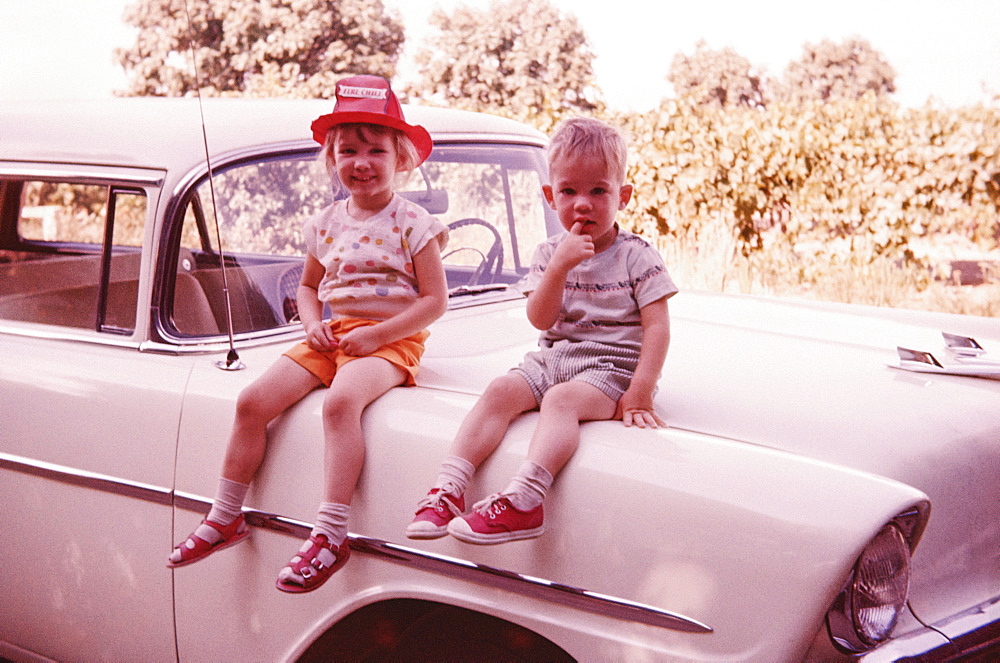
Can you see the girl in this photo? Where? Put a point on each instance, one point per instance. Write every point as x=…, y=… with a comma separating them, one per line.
x=375, y=259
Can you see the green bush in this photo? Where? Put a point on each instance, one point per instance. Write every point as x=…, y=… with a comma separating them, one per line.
x=837, y=180
x=847, y=200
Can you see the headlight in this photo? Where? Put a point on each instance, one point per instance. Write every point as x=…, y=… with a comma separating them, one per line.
x=867, y=609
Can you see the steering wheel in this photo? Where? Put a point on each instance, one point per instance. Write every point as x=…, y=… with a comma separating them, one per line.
x=491, y=261
x=288, y=285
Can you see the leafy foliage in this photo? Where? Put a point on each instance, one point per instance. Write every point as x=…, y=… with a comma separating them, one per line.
x=518, y=58
x=284, y=48
x=719, y=78
x=818, y=173
x=845, y=70
x=842, y=180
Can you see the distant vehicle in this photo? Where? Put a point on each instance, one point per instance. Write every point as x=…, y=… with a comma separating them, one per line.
x=817, y=496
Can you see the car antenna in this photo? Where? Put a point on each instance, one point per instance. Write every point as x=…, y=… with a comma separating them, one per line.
x=232, y=361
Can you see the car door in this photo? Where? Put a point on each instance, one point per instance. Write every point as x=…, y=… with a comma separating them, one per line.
x=90, y=422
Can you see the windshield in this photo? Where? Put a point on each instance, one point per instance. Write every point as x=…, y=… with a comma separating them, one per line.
x=489, y=195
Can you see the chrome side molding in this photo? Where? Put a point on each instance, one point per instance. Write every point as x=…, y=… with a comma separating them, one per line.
x=539, y=588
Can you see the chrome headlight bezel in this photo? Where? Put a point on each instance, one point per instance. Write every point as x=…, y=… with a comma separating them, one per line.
x=874, y=596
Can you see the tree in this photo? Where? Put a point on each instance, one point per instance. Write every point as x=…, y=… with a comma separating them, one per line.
x=519, y=58
x=846, y=70
x=720, y=78
x=257, y=47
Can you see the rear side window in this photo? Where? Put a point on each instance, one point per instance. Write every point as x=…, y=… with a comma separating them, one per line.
x=73, y=257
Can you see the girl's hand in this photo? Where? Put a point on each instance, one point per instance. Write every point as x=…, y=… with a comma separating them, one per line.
x=576, y=247
x=320, y=337
x=637, y=409
x=361, y=341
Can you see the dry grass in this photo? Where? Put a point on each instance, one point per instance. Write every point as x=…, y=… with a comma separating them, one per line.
x=709, y=259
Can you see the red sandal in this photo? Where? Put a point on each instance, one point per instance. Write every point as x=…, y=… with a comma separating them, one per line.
x=196, y=547
x=317, y=560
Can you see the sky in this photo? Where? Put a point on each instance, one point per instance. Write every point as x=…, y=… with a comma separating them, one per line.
x=948, y=50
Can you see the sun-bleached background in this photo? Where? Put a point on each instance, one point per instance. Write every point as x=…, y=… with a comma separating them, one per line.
x=945, y=49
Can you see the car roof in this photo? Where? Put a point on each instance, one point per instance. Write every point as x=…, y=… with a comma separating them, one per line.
x=166, y=133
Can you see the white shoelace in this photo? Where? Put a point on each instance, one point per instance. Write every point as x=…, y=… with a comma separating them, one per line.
x=485, y=506
x=441, y=497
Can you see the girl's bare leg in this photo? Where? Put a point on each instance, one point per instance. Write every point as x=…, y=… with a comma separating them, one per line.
x=355, y=386
x=281, y=386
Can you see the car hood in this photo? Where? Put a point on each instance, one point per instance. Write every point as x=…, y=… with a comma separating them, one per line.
x=814, y=380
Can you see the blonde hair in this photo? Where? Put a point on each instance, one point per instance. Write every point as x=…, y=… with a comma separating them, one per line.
x=406, y=151
x=583, y=137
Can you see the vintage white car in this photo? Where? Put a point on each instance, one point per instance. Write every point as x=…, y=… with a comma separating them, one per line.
x=818, y=494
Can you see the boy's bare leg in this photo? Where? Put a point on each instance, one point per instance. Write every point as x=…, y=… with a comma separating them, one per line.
x=557, y=434
x=484, y=427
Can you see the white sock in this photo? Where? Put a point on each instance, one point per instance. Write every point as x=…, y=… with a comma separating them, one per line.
x=528, y=487
x=455, y=475
x=228, y=502
x=332, y=521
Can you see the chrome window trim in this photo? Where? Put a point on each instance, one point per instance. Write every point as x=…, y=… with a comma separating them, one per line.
x=181, y=345
x=30, y=170
x=40, y=331
x=443, y=138
x=538, y=588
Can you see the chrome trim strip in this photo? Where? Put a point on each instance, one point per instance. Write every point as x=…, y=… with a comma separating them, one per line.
x=85, y=479
x=40, y=331
x=539, y=588
x=217, y=344
x=447, y=138
x=25, y=170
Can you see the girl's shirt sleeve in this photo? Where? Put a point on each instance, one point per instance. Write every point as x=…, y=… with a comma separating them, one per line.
x=419, y=226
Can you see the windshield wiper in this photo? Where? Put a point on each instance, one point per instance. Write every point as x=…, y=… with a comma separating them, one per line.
x=464, y=290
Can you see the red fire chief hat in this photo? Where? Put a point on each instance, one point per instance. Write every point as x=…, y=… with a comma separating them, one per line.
x=369, y=99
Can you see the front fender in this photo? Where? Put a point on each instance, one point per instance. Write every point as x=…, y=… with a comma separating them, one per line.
x=752, y=542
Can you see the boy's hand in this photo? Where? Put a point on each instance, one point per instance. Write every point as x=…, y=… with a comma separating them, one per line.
x=637, y=409
x=643, y=419
x=576, y=247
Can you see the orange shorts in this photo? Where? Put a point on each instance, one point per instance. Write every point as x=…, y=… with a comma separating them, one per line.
x=405, y=352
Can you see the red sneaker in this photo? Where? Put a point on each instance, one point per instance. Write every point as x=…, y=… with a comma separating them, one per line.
x=496, y=520
x=434, y=513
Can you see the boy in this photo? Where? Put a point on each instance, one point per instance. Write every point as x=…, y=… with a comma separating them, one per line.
x=599, y=295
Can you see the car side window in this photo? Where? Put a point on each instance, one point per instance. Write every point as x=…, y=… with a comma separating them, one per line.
x=262, y=206
x=493, y=204
x=488, y=194
x=73, y=259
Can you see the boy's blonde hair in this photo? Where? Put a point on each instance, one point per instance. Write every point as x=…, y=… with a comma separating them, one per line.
x=583, y=137
x=406, y=151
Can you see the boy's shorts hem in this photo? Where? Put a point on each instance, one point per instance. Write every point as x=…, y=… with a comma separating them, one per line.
x=608, y=367
x=404, y=353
